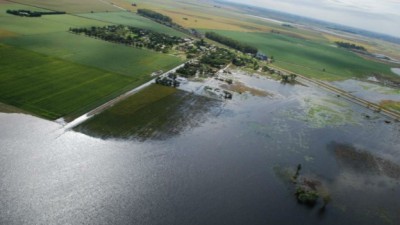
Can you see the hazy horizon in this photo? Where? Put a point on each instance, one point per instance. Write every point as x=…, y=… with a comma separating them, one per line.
x=381, y=17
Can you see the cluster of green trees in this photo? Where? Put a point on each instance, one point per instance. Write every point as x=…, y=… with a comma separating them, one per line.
x=350, y=46
x=133, y=36
x=232, y=43
x=29, y=13
x=154, y=15
x=218, y=58
x=291, y=79
x=190, y=69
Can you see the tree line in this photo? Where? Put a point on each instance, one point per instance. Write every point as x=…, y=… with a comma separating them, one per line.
x=29, y=13
x=154, y=15
x=232, y=43
x=350, y=46
x=133, y=36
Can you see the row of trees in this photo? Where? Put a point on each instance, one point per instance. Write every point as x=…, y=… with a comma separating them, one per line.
x=232, y=43
x=167, y=21
x=133, y=36
x=154, y=15
x=29, y=13
x=350, y=46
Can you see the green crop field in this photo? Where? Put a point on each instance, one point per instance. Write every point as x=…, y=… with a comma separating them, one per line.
x=72, y=6
x=310, y=57
x=53, y=88
x=132, y=19
x=52, y=73
x=97, y=53
x=40, y=25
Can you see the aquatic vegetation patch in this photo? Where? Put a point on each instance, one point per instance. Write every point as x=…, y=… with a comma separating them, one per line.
x=379, y=89
x=325, y=111
x=364, y=162
x=240, y=88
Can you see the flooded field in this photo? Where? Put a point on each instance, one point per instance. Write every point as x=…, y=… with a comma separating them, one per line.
x=181, y=158
x=396, y=71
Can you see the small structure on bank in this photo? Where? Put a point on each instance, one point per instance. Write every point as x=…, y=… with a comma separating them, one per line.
x=261, y=56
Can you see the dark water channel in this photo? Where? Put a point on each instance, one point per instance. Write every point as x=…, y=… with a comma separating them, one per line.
x=229, y=168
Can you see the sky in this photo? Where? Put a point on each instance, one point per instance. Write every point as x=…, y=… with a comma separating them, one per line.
x=382, y=16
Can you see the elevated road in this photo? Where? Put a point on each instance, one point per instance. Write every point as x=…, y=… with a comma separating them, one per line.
x=344, y=94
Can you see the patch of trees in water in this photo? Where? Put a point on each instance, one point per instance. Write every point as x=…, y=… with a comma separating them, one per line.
x=309, y=190
x=28, y=13
x=232, y=43
x=132, y=36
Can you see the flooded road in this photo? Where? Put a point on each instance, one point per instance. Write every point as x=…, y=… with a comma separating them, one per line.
x=226, y=169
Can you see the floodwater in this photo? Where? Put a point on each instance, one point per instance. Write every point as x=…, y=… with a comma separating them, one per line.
x=225, y=170
x=396, y=71
x=369, y=91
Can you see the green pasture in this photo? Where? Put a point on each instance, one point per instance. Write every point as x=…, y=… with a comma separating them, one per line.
x=52, y=73
x=71, y=6
x=132, y=19
x=41, y=25
x=311, y=57
x=88, y=51
x=52, y=88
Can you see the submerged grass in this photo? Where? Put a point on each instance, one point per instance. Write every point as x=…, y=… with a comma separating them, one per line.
x=388, y=104
x=157, y=112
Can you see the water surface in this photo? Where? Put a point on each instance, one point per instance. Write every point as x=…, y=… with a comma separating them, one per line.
x=221, y=171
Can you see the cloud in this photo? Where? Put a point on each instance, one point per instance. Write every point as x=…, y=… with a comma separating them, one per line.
x=381, y=16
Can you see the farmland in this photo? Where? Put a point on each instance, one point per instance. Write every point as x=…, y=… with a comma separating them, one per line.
x=53, y=88
x=53, y=73
x=97, y=53
x=42, y=25
x=311, y=58
x=71, y=6
x=130, y=19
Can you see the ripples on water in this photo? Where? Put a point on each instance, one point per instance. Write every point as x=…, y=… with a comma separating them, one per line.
x=221, y=171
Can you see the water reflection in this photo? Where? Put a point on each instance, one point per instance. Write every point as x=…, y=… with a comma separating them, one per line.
x=218, y=169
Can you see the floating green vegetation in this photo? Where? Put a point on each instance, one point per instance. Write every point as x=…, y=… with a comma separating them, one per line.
x=380, y=89
x=325, y=111
x=158, y=112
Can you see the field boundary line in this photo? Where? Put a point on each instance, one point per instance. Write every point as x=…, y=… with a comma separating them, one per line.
x=114, y=101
